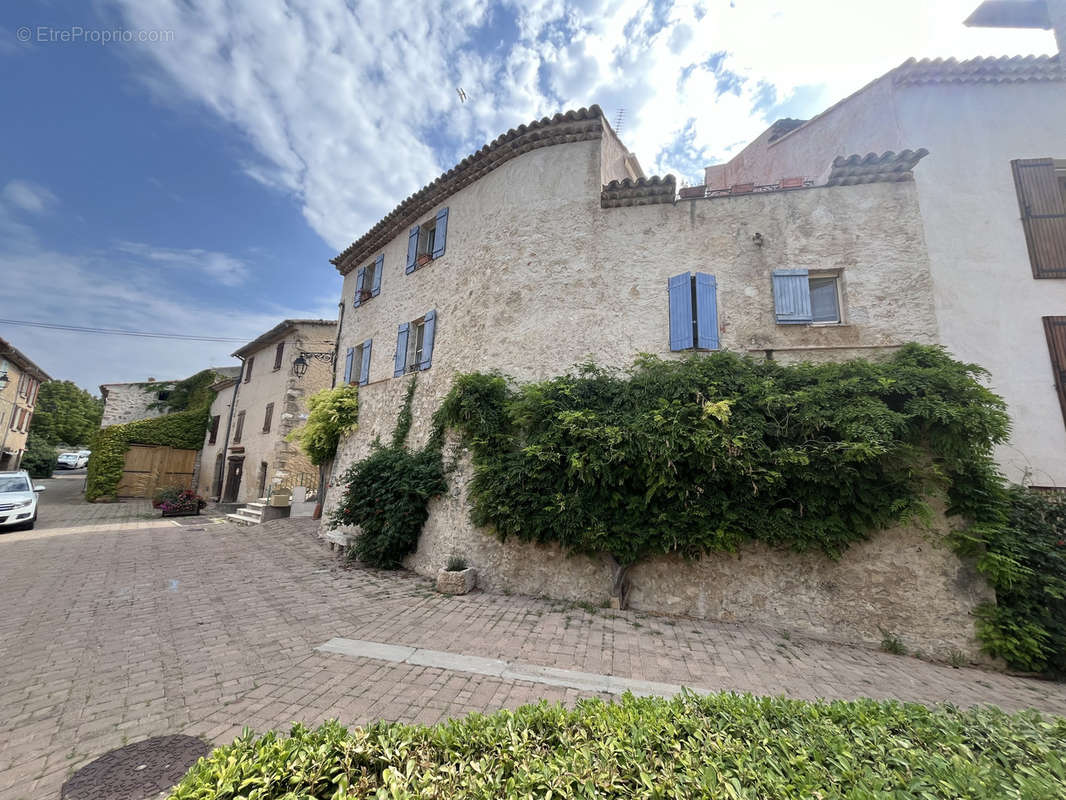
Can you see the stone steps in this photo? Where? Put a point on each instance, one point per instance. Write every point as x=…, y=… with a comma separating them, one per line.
x=250, y=513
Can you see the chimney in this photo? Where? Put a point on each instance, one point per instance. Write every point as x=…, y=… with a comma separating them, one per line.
x=1044, y=14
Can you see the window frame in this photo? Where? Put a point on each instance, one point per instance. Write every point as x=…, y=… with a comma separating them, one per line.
x=837, y=277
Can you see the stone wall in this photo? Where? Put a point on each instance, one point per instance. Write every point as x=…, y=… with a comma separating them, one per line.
x=128, y=402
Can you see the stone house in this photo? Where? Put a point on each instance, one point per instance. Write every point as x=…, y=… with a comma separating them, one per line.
x=20, y=381
x=246, y=440
x=128, y=402
x=992, y=201
x=549, y=246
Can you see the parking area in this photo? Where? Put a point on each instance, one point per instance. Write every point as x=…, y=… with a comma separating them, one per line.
x=118, y=625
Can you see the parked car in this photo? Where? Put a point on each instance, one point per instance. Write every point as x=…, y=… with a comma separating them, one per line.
x=18, y=501
x=71, y=461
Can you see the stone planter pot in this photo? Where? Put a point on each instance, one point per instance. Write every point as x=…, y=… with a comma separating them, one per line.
x=456, y=582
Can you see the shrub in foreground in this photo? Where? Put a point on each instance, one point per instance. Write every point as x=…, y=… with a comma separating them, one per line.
x=721, y=746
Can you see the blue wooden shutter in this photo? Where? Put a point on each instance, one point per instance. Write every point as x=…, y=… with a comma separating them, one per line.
x=427, y=340
x=681, y=311
x=378, y=265
x=412, y=249
x=401, y=349
x=360, y=279
x=792, y=297
x=706, y=312
x=441, y=233
x=348, y=365
x=364, y=368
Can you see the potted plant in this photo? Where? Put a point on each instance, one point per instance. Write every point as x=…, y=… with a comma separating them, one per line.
x=457, y=577
x=174, y=501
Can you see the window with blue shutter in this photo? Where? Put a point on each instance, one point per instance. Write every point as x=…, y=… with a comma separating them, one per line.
x=348, y=365
x=364, y=367
x=412, y=248
x=401, y=349
x=360, y=281
x=693, y=311
x=429, y=327
x=706, y=311
x=792, y=297
x=440, y=234
x=379, y=266
x=682, y=322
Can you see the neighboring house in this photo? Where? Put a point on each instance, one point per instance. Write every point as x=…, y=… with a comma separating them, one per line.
x=992, y=194
x=213, y=454
x=127, y=402
x=20, y=380
x=265, y=406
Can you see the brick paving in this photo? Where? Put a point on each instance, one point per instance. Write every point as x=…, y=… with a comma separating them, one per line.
x=111, y=636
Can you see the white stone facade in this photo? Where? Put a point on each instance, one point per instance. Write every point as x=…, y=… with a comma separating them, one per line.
x=538, y=276
x=975, y=118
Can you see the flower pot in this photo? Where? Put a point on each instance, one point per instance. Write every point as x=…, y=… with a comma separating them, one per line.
x=456, y=582
x=182, y=512
x=424, y=259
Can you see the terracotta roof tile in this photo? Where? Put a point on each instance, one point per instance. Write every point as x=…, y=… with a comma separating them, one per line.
x=573, y=126
x=979, y=70
x=872, y=168
x=639, y=192
x=279, y=331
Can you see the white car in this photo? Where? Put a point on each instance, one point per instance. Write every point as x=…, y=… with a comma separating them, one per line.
x=72, y=461
x=18, y=501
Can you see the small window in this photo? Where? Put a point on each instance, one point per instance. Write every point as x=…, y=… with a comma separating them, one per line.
x=825, y=299
x=368, y=281
x=414, y=344
x=1041, y=187
x=693, y=301
x=279, y=354
x=248, y=369
x=804, y=299
x=267, y=417
x=214, y=429
x=427, y=241
x=240, y=428
x=357, y=364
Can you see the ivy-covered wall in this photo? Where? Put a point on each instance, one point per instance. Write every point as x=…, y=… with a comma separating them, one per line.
x=184, y=429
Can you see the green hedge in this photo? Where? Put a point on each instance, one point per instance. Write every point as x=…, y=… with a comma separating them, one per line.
x=721, y=746
x=40, y=457
x=184, y=430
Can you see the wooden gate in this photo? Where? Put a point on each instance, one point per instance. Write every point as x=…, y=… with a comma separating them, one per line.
x=149, y=468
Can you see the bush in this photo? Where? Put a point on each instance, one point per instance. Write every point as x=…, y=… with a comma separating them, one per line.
x=40, y=458
x=175, y=498
x=387, y=494
x=721, y=746
x=332, y=414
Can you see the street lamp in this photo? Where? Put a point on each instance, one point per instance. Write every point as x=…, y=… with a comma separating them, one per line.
x=305, y=357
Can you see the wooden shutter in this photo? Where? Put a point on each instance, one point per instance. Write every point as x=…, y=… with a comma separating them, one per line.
x=248, y=369
x=401, y=349
x=681, y=319
x=348, y=365
x=1043, y=215
x=412, y=249
x=279, y=354
x=240, y=428
x=441, y=233
x=267, y=417
x=364, y=368
x=360, y=279
x=792, y=297
x=429, y=326
x=379, y=264
x=1055, y=329
x=214, y=429
x=706, y=312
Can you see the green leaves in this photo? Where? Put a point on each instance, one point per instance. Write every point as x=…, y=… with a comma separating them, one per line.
x=331, y=415
x=720, y=746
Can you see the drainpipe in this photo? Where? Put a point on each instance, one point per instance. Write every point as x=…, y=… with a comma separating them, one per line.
x=229, y=423
x=325, y=471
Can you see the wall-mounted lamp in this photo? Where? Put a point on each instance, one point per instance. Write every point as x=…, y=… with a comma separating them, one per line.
x=304, y=359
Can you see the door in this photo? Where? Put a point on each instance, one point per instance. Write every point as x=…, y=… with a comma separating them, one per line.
x=262, y=479
x=216, y=482
x=233, y=479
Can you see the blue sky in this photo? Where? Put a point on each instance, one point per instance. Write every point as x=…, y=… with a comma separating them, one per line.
x=198, y=178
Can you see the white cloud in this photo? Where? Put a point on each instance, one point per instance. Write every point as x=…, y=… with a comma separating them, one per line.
x=28, y=196
x=223, y=268
x=340, y=101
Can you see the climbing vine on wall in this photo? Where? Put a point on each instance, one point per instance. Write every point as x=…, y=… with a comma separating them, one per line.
x=703, y=454
x=387, y=494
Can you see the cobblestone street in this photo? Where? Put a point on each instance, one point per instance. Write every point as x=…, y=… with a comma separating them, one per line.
x=118, y=626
